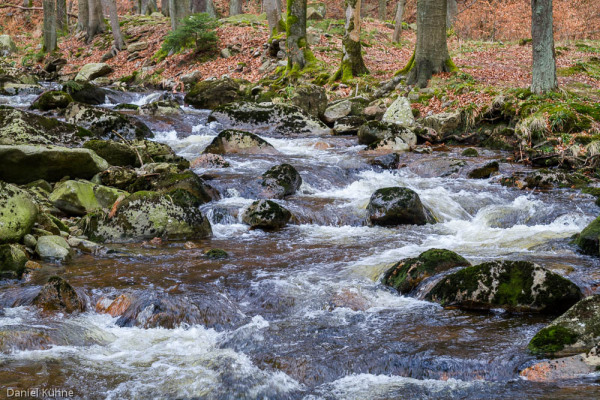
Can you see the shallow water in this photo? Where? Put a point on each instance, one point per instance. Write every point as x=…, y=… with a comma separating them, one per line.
x=300, y=313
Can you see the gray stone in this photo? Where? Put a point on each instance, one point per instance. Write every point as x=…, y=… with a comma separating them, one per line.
x=7, y=46
x=53, y=248
x=266, y=215
x=399, y=112
x=18, y=212
x=92, y=71
x=397, y=206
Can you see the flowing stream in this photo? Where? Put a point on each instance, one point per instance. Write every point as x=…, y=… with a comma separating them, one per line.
x=300, y=313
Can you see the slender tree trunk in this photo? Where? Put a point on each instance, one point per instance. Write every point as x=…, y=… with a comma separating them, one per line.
x=61, y=15
x=210, y=8
x=114, y=24
x=235, y=7
x=179, y=9
x=399, y=18
x=198, y=6
x=431, y=53
x=451, y=13
x=164, y=8
x=352, y=60
x=274, y=18
x=49, y=7
x=148, y=7
x=544, y=58
x=83, y=15
x=96, y=19
x=297, y=47
x=382, y=9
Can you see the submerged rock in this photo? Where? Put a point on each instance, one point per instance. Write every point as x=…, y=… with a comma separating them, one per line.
x=397, y=206
x=280, y=181
x=564, y=368
x=18, y=213
x=406, y=275
x=470, y=152
x=23, y=164
x=52, y=100
x=278, y=119
x=486, y=171
x=216, y=254
x=233, y=141
x=518, y=286
x=210, y=161
x=576, y=331
x=59, y=296
x=83, y=197
x=146, y=215
x=266, y=215
x=213, y=93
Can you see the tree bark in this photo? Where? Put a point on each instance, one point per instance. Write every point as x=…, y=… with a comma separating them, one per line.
x=179, y=9
x=83, y=15
x=352, y=60
x=274, y=18
x=297, y=47
x=399, y=18
x=164, y=8
x=114, y=24
x=61, y=15
x=451, y=13
x=544, y=59
x=198, y=6
x=382, y=9
x=210, y=8
x=235, y=7
x=49, y=7
x=431, y=53
x=96, y=19
x=148, y=7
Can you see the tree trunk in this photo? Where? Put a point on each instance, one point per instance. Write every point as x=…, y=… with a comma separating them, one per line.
x=198, y=6
x=210, y=8
x=544, y=59
x=164, y=8
x=382, y=9
x=61, y=15
x=148, y=7
x=235, y=7
x=274, y=18
x=49, y=25
x=399, y=18
x=352, y=60
x=114, y=24
x=451, y=13
x=179, y=9
x=83, y=15
x=431, y=53
x=96, y=19
x=297, y=47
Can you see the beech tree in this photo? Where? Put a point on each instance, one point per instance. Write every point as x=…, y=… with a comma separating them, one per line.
x=49, y=7
x=61, y=15
x=179, y=9
x=206, y=6
x=451, y=13
x=399, y=18
x=431, y=53
x=352, y=60
x=273, y=11
x=235, y=7
x=83, y=15
x=381, y=12
x=114, y=24
x=299, y=55
x=95, y=20
x=544, y=59
x=164, y=8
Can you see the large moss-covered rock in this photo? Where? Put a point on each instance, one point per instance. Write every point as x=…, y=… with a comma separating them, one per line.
x=443, y=123
x=154, y=152
x=213, y=93
x=576, y=331
x=233, y=141
x=280, y=181
x=375, y=131
x=518, y=286
x=146, y=215
x=399, y=112
x=53, y=248
x=268, y=118
x=589, y=239
x=311, y=98
x=12, y=261
x=52, y=100
x=186, y=187
x=164, y=107
x=83, y=197
x=266, y=215
x=24, y=164
x=20, y=127
x=59, y=296
x=18, y=213
x=107, y=124
x=7, y=46
x=406, y=275
x=116, y=153
x=485, y=171
x=92, y=71
x=118, y=177
x=85, y=93
x=397, y=206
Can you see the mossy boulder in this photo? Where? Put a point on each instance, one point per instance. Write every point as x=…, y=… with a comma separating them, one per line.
x=232, y=141
x=348, y=125
x=399, y=113
x=12, y=261
x=443, y=123
x=268, y=118
x=337, y=110
x=107, y=124
x=21, y=127
x=59, y=296
x=375, y=131
x=266, y=215
x=92, y=71
x=52, y=100
x=159, y=108
x=589, y=239
x=18, y=213
x=485, y=171
x=155, y=152
x=83, y=197
x=185, y=187
x=118, y=177
x=470, y=152
x=397, y=206
x=24, y=164
x=213, y=93
x=116, y=153
x=407, y=274
x=146, y=215
x=516, y=286
x=53, y=248
x=216, y=254
x=86, y=93
x=576, y=331
x=310, y=98
x=280, y=181
x=547, y=178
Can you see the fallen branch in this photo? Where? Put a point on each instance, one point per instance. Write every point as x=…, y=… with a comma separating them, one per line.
x=131, y=146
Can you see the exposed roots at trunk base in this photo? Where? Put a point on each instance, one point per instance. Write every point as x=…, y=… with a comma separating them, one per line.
x=349, y=70
x=420, y=72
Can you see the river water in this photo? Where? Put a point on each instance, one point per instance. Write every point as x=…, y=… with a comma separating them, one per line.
x=300, y=313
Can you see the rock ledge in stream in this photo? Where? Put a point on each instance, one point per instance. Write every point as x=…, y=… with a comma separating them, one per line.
x=516, y=286
x=397, y=206
x=232, y=141
x=266, y=215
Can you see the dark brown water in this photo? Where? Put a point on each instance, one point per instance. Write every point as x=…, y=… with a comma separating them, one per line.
x=300, y=314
